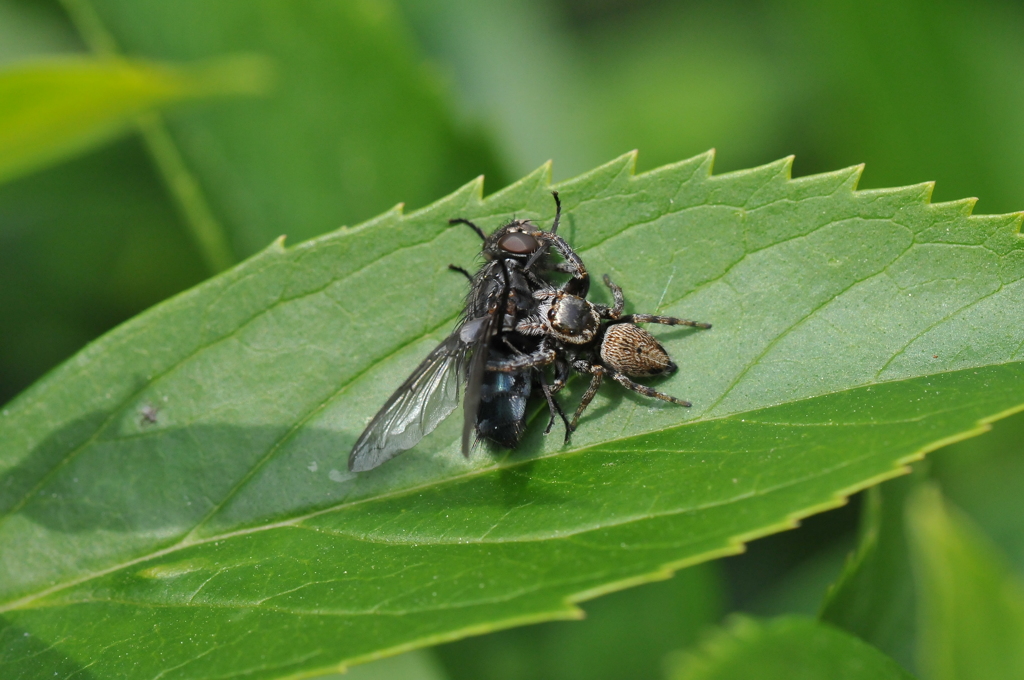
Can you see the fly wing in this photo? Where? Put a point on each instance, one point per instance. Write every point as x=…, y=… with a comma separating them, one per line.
x=426, y=398
x=477, y=365
x=488, y=302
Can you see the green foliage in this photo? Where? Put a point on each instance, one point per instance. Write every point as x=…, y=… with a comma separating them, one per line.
x=982, y=476
x=355, y=125
x=623, y=635
x=787, y=648
x=418, y=665
x=52, y=109
x=927, y=588
x=874, y=597
x=853, y=332
x=354, y=122
x=186, y=547
x=915, y=89
x=972, y=606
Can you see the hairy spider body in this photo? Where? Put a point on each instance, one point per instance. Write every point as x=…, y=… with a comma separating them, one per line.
x=596, y=340
x=631, y=350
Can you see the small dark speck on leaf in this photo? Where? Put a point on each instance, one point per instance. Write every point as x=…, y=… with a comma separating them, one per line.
x=148, y=414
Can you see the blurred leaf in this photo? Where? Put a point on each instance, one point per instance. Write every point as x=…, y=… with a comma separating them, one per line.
x=53, y=109
x=801, y=589
x=931, y=91
x=971, y=621
x=355, y=125
x=919, y=90
x=787, y=648
x=680, y=78
x=624, y=635
x=416, y=665
x=672, y=79
x=536, y=100
x=83, y=246
x=874, y=596
x=984, y=477
x=33, y=28
x=853, y=332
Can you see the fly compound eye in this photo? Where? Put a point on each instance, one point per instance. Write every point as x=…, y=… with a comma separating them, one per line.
x=518, y=243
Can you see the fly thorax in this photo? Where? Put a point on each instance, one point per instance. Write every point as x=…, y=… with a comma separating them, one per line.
x=573, y=319
x=630, y=349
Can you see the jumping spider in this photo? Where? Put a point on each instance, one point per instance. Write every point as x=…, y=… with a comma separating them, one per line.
x=597, y=340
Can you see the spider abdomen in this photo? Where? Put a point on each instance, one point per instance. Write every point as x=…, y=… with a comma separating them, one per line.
x=629, y=349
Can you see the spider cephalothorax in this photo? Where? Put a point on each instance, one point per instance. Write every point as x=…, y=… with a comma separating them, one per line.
x=563, y=316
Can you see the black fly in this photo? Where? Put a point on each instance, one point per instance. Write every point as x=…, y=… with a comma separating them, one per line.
x=501, y=294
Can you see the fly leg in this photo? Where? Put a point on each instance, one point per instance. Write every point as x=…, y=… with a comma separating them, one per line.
x=478, y=230
x=457, y=268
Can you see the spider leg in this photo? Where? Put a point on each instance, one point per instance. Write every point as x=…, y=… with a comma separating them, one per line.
x=561, y=375
x=666, y=320
x=478, y=230
x=538, y=282
x=457, y=268
x=616, y=310
x=644, y=389
x=554, y=408
x=598, y=372
x=563, y=267
x=545, y=293
x=554, y=228
x=573, y=265
x=541, y=357
x=531, y=325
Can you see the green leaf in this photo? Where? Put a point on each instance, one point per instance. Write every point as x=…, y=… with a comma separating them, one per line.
x=874, y=597
x=787, y=648
x=75, y=263
x=52, y=109
x=853, y=332
x=801, y=587
x=417, y=665
x=983, y=477
x=623, y=635
x=971, y=622
x=356, y=125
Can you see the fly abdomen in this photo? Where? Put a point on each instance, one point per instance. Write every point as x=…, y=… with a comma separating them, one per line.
x=502, y=413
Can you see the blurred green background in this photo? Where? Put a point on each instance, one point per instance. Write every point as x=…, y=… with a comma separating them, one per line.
x=379, y=102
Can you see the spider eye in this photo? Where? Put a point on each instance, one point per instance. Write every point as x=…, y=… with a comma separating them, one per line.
x=518, y=243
